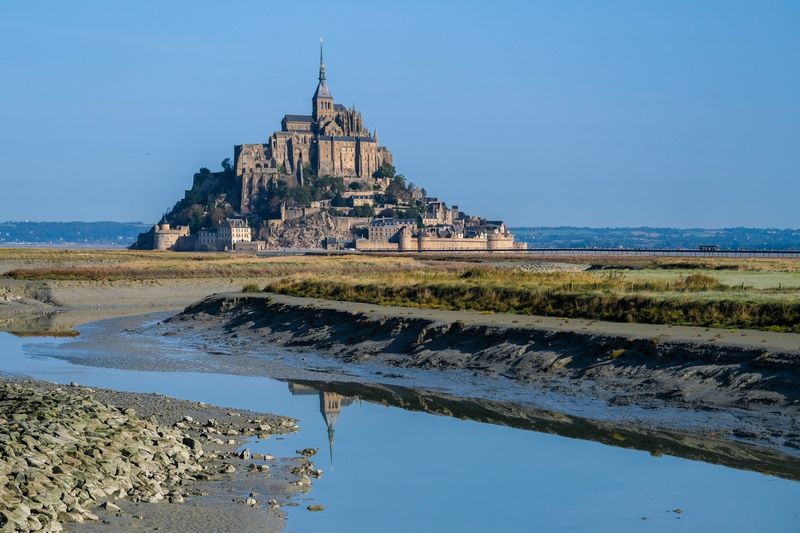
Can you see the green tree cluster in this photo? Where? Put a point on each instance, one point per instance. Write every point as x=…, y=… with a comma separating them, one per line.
x=213, y=196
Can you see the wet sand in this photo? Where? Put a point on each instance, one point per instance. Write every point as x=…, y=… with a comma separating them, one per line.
x=60, y=306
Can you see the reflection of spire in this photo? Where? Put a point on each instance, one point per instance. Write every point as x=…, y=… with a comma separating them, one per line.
x=330, y=444
x=330, y=405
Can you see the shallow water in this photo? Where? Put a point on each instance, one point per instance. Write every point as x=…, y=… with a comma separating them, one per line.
x=391, y=469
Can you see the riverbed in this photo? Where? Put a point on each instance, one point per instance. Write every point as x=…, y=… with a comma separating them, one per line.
x=389, y=468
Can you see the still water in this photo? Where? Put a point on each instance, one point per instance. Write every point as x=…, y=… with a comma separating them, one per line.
x=394, y=470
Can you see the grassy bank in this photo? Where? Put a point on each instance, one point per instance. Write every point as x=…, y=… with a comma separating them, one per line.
x=742, y=293
x=696, y=299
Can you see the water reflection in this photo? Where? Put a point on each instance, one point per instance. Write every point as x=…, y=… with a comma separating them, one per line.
x=330, y=405
x=333, y=396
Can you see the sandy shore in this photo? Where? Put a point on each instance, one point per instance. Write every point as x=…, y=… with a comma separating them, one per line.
x=139, y=449
x=59, y=306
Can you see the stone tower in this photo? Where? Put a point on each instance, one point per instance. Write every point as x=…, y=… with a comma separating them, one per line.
x=322, y=101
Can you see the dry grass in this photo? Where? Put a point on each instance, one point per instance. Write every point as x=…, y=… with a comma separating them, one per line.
x=695, y=299
x=690, y=292
x=130, y=265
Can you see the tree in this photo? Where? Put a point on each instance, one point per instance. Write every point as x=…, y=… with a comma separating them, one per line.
x=355, y=186
x=226, y=165
x=386, y=170
x=362, y=211
x=397, y=192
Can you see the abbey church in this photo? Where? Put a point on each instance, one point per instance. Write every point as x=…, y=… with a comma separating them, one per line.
x=332, y=141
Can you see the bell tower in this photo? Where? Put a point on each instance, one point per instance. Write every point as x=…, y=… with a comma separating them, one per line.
x=322, y=101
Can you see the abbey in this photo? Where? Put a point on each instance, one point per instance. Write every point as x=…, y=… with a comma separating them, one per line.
x=332, y=141
x=322, y=181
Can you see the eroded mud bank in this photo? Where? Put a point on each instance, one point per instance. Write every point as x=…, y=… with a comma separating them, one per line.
x=758, y=389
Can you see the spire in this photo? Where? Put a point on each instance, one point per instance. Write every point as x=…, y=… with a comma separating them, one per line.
x=322, y=87
x=321, y=63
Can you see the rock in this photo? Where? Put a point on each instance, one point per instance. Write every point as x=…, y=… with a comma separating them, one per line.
x=228, y=469
x=34, y=524
x=16, y=518
x=192, y=443
x=308, y=452
x=316, y=507
x=245, y=455
x=111, y=507
x=251, y=502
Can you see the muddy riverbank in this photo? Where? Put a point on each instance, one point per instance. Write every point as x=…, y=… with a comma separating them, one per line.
x=755, y=383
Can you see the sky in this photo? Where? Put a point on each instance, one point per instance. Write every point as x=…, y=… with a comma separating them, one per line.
x=542, y=113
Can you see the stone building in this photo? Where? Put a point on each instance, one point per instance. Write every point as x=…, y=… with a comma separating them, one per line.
x=164, y=237
x=224, y=237
x=387, y=228
x=331, y=141
x=233, y=230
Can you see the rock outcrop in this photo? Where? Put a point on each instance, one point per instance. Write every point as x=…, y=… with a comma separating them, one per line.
x=306, y=232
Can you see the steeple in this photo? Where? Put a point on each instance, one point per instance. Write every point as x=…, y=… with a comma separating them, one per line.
x=322, y=101
x=321, y=62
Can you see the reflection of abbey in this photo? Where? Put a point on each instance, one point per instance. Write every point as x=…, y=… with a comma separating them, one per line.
x=322, y=181
x=331, y=141
x=330, y=406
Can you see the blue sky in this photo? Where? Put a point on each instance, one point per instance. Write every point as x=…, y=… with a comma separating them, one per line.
x=682, y=113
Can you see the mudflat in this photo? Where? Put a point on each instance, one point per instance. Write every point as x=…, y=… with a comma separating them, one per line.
x=753, y=378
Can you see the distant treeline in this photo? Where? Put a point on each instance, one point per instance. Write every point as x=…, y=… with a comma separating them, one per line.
x=688, y=239
x=86, y=233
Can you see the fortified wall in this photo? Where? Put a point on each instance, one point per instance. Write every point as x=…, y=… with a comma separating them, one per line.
x=407, y=242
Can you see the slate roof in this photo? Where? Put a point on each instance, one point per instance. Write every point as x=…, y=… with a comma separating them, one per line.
x=298, y=118
x=322, y=90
